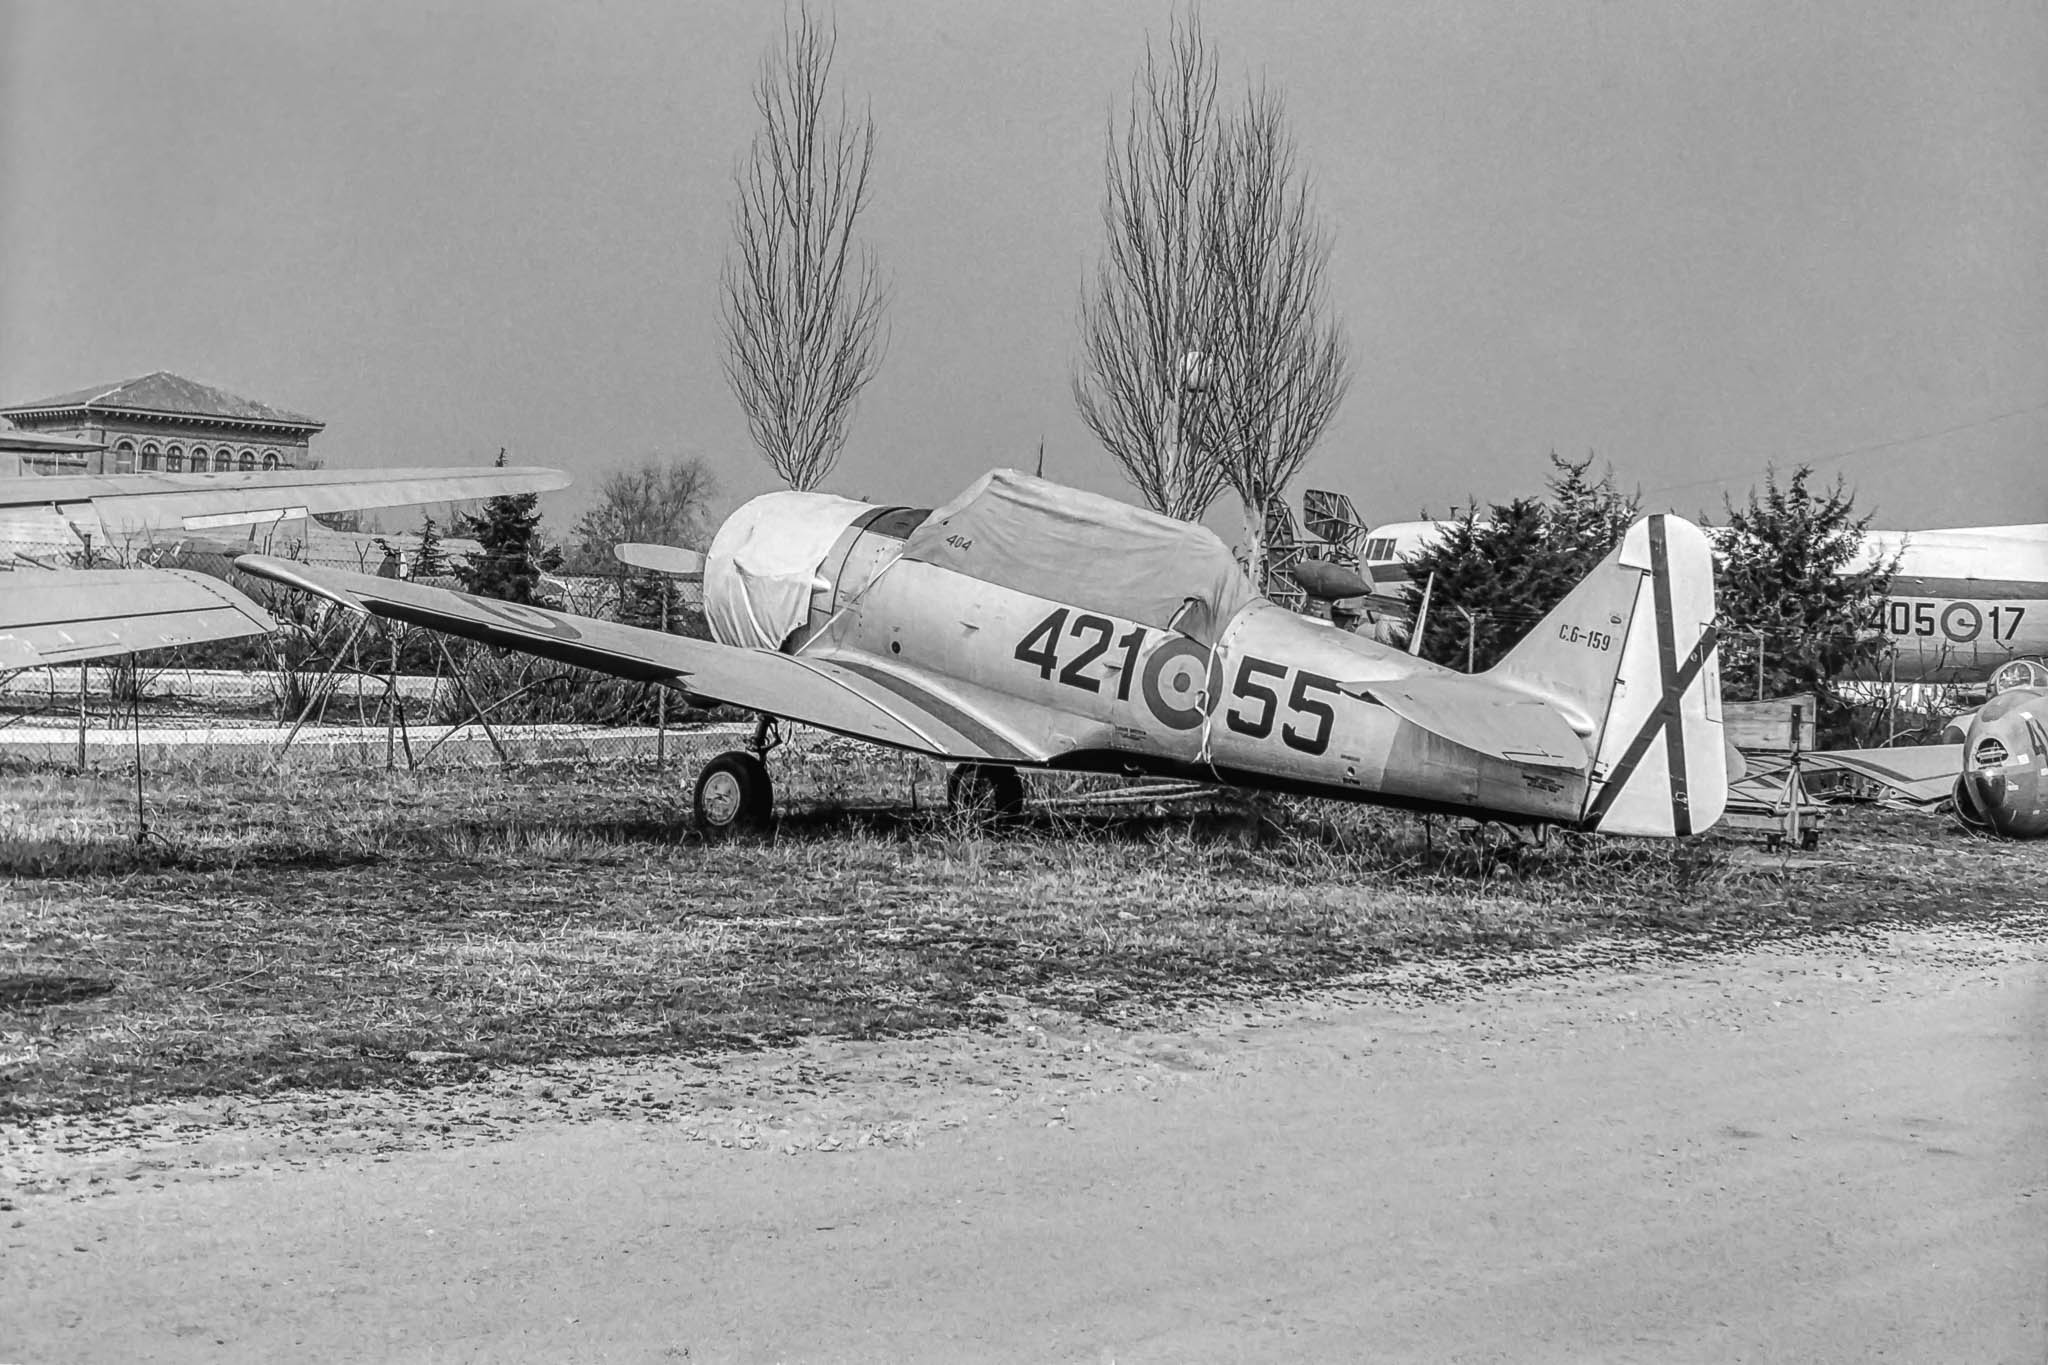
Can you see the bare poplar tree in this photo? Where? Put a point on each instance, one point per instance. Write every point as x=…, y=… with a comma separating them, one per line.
x=1280, y=362
x=1144, y=318
x=659, y=501
x=802, y=299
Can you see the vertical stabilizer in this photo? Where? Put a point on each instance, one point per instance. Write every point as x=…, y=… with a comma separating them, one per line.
x=1629, y=658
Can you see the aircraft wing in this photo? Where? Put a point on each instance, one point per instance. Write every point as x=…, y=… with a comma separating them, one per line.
x=865, y=703
x=65, y=616
x=55, y=511
x=1479, y=715
x=1922, y=774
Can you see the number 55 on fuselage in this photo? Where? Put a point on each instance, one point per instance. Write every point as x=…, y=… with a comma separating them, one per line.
x=1026, y=624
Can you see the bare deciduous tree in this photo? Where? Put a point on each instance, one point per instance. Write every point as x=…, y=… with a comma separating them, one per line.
x=1144, y=318
x=1279, y=357
x=658, y=501
x=802, y=300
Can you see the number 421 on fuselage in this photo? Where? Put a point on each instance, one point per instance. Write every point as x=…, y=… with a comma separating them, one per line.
x=1030, y=625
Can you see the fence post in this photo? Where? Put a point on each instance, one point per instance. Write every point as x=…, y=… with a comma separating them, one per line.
x=83, y=669
x=391, y=710
x=661, y=696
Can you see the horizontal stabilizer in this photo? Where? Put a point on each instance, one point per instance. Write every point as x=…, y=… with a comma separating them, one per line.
x=1480, y=716
x=673, y=560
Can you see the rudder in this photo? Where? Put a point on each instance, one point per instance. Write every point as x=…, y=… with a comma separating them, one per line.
x=1629, y=658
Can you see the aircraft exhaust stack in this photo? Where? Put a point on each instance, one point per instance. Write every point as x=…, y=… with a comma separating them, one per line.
x=1629, y=659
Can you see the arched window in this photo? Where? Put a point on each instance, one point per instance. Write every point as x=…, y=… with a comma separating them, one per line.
x=152, y=456
x=201, y=460
x=174, y=460
x=248, y=459
x=124, y=457
x=270, y=459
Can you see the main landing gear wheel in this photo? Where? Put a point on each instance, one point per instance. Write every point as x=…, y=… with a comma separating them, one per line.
x=734, y=796
x=986, y=791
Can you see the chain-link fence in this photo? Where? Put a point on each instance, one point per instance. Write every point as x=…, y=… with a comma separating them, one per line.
x=330, y=683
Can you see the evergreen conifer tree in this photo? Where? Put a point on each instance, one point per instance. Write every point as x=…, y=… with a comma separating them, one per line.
x=513, y=556
x=1786, y=578
x=1497, y=576
x=430, y=560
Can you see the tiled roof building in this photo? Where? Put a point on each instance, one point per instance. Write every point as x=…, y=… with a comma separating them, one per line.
x=166, y=422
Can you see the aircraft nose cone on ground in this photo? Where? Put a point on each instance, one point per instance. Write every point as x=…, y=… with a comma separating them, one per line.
x=2004, y=782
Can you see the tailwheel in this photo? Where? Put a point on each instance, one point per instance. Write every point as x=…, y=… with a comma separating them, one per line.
x=734, y=796
x=985, y=791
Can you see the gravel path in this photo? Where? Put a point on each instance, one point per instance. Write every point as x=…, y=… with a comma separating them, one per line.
x=1835, y=1150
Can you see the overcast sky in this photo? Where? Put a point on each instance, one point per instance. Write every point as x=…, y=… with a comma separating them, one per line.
x=1689, y=238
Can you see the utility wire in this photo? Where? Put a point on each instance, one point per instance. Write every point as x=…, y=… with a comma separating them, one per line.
x=1827, y=456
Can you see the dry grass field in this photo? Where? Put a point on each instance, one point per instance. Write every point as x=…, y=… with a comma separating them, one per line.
x=330, y=928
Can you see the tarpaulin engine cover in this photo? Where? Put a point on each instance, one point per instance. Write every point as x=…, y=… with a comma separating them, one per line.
x=1069, y=546
x=763, y=565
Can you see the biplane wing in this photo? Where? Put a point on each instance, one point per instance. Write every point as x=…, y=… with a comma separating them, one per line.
x=864, y=701
x=70, y=615
x=57, y=512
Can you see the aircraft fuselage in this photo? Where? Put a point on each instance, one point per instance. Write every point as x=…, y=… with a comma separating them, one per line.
x=2003, y=787
x=1262, y=708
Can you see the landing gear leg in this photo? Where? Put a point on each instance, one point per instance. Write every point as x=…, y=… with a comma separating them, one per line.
x=985, y=791
x=735, y=795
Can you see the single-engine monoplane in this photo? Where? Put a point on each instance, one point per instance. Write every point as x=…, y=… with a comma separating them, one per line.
x=1029, y=625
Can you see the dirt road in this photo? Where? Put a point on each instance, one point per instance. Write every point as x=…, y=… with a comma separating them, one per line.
x=1834, y=1152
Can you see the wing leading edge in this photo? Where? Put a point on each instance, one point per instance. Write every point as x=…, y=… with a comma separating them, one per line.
x=895, y=710
x=59, y=514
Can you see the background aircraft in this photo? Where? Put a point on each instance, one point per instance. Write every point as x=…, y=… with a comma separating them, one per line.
x=1964, y=603
x=2003, y=787
x=50, y=616
x=114, y=513
x=1030, y=625
x=1995, y=777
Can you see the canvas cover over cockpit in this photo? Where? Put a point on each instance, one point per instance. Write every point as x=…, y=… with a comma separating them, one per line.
x=1061, y=543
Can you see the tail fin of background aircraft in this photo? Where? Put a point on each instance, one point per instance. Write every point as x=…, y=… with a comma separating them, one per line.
x=1629, y=658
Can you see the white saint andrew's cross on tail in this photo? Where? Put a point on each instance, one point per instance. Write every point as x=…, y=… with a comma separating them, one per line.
x=1025, y=624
